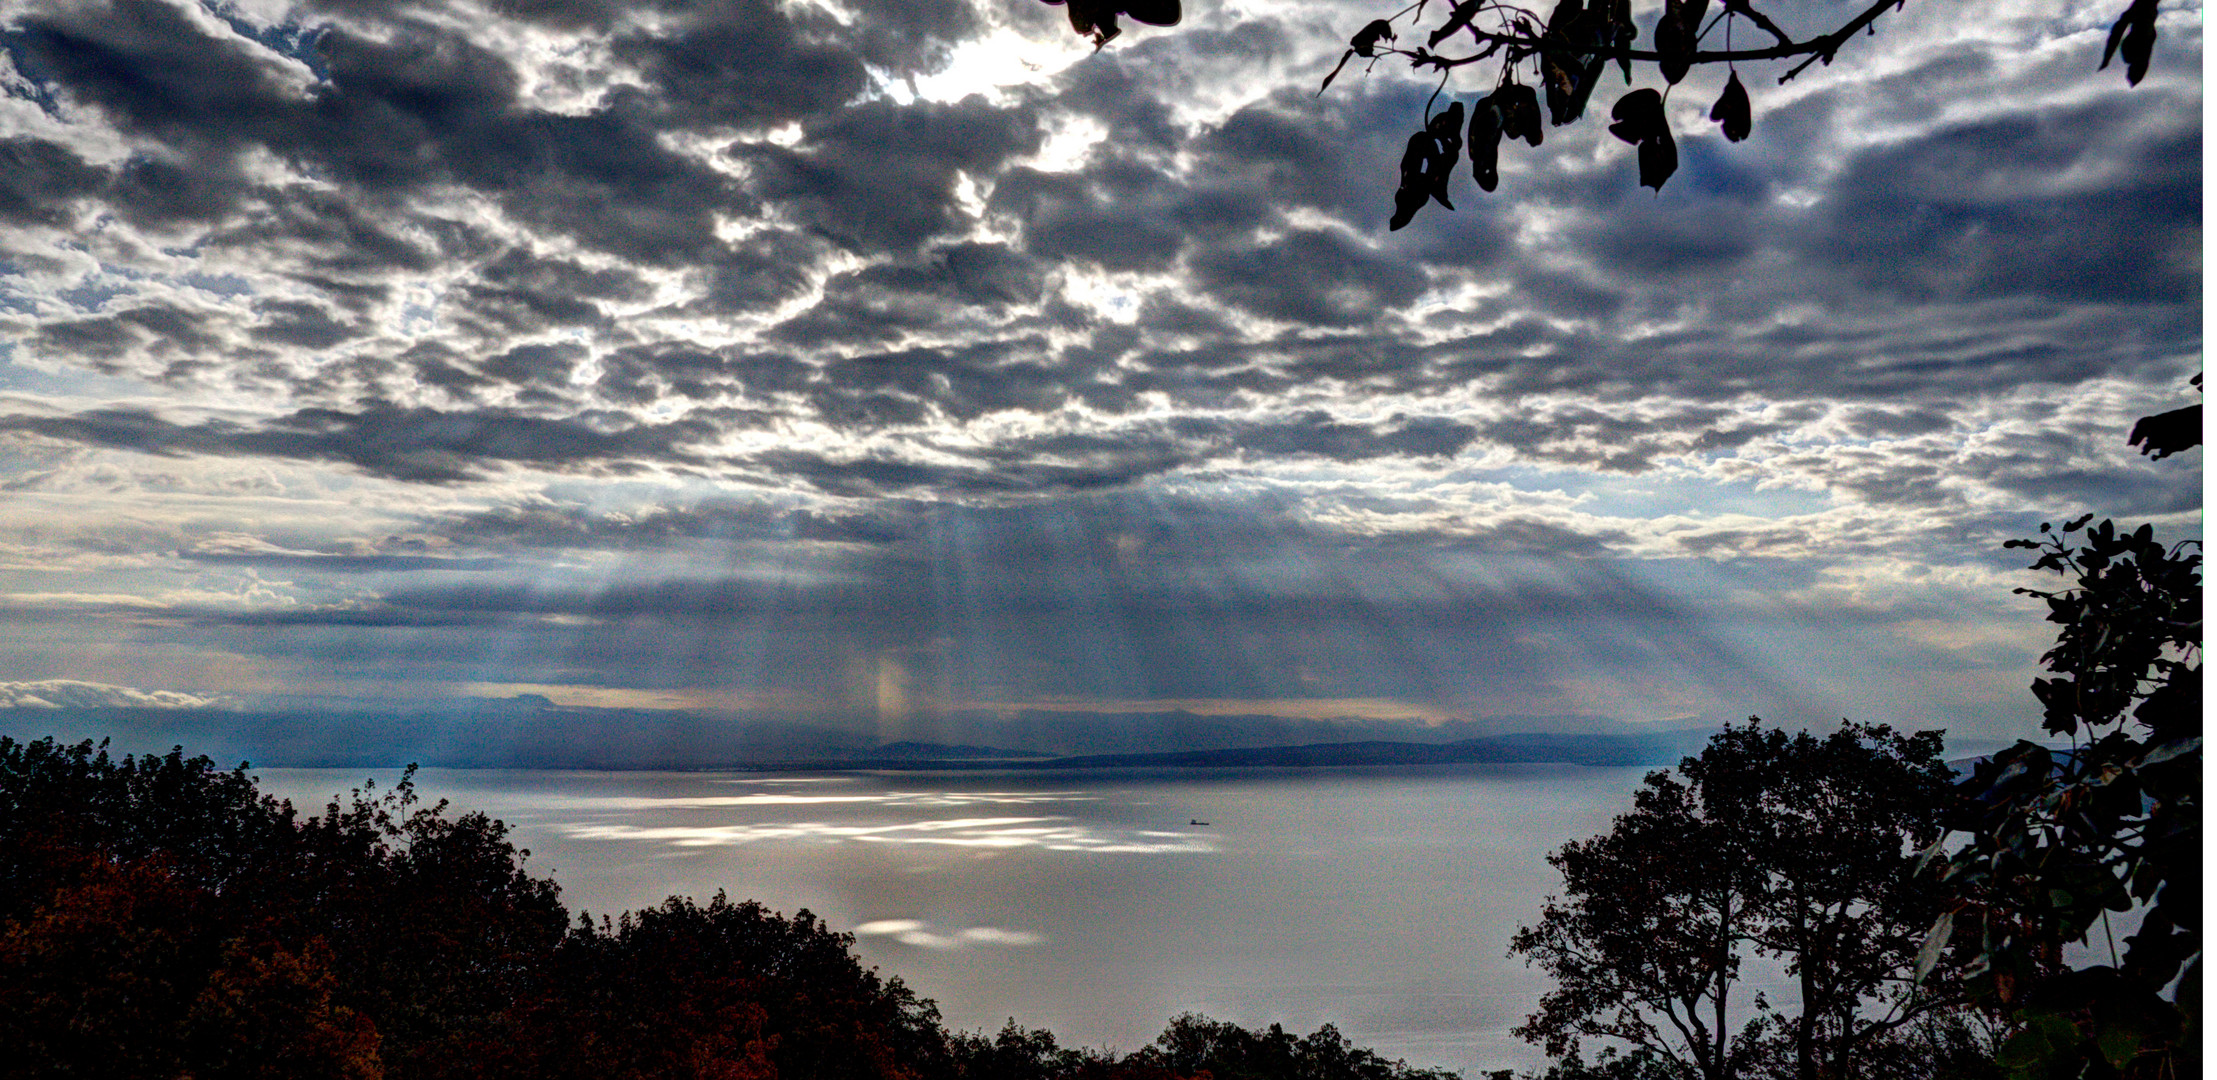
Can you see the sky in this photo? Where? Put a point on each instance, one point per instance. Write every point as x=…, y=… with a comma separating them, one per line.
x=755, y=377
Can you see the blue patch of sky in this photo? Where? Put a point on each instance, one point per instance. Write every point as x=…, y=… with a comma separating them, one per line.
x=291, y=40
x=226, y=285
x=62, y=382
x=1656, y=494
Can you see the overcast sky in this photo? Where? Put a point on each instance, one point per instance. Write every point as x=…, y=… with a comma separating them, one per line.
x=894, y=366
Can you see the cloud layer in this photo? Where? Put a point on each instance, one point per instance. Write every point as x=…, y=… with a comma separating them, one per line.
x=893, y=360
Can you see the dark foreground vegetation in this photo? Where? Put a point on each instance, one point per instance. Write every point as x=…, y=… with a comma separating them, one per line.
x=161, y=918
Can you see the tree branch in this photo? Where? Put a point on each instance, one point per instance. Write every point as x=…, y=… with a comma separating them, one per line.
x=1823, y=47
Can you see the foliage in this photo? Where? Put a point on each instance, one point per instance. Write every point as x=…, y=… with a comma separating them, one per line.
x=1793, y=848
x=1564, y=55
x=161, y=918
x=1195, y=1045
x=2060, y=840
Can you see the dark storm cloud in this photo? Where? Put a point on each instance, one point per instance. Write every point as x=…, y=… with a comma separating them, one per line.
x=424, y=106
x=549, y=523
x=347, y=564
x=880, y=176
x=745, y=63
x=40, y=180
x=521, y=291
x=644, y=373
x=2096, y=202
x=884, y=302
x=1311, y=277
x=412, y=444
x=156, y=71
x=1068, y=216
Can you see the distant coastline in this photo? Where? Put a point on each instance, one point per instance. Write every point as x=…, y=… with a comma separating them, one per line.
x=1520, y=749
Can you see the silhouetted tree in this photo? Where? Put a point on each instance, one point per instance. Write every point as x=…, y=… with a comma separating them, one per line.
x=2061, y=839
x=1796, y=848
x=161, y=918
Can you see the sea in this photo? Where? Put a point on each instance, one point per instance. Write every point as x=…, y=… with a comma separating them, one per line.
x=1100, y=904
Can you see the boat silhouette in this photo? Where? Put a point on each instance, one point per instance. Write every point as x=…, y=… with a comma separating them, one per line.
x=1197, y=821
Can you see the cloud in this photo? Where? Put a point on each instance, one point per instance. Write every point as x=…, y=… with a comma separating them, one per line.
x=74, y=694
x=407, y=342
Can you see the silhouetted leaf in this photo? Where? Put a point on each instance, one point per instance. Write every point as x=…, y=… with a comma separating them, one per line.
x=1485, y=142
x=1406, y=202
x=1416, y=185
x=1520, y=113
x=1639, y=120
x=1731, y=110
x=1154, y=12
x=1623, y=32
x=1457, y=19
x=1343, y=59
x=1638, y=116
x=1676, y=34
x=1366, y=39
x=2164, y=434
x=1446, y=130
x=2135, y=32
x=1658, y=159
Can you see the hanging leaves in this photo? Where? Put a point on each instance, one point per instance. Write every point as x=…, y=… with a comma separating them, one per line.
x=1563, y=57
x=1640, y=121
x=1426, y=163
x=1731, y=110
x=1485, y=142
x=2135, y=32
x=1520, y=113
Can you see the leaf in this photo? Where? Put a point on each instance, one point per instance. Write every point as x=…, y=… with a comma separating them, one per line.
x=1154, y=12
x=1406, y=202
x=1674, y=39
x=2173, y=749
x=1366, y=39
x=1930, y=854
x=1935, y=942
x=1343, y=59
x=2135, y=32
x=1658, y=160
x=1731, y=110
x=1416, y=184
x=1485, y=143
x=2164, y=434
x=1446, y=130
x=1620, y=17
x=1520, y=113
x=1457, y=19
x=1638, y=115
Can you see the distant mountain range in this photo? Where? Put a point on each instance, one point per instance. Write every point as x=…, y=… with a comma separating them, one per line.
x=1662, y=748
x=526, y=732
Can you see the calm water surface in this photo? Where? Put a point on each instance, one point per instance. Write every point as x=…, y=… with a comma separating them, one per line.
x=1381, y=901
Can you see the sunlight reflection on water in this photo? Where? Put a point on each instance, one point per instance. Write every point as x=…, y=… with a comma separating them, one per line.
x=1377, y=900
x=1053, y=834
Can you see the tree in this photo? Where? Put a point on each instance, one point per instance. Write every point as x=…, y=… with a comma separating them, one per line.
x=1565, y=55
x=1795, y=848
x=2058, y=840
